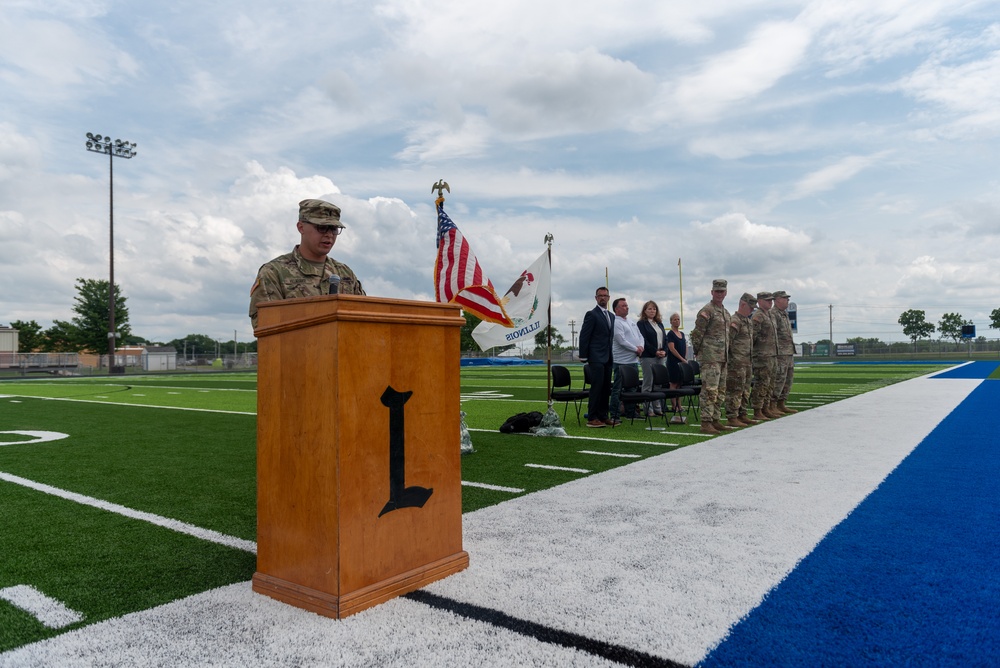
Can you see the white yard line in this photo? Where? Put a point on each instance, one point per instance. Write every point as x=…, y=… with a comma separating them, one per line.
x=51, y=613
x=498, y=488
x=121, y=403
x=557, y=468
x=167, y=523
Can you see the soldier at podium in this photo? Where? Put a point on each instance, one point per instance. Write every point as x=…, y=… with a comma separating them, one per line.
x=307, y=271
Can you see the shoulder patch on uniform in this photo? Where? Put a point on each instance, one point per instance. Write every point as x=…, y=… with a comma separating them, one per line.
x=254, y=287
x=704, y=314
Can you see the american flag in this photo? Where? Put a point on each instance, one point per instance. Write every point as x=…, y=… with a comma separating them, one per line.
x=458, y=278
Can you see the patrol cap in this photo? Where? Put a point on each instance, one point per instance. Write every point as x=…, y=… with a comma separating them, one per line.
x=764, y=296
x=781, y=293
x=749, y=299
x=720, y=284
x=318, y=212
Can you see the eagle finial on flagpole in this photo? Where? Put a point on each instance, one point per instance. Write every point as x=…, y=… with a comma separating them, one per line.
x=440, y=186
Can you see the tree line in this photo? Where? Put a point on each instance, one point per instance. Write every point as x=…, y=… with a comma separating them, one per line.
x=916, y=326
x=87, y=330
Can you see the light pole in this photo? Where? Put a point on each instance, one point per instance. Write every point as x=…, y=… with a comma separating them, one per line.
x=114, y=149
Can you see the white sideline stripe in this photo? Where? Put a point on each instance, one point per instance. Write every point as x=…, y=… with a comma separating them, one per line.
x=51, y=613
x=119, y=403
x=557, y=468
x=606, y=440
x=498, y=488
x=609, y=454
x=174, y=525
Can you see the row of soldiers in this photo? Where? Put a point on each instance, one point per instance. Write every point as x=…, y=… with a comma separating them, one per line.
x=746, y=359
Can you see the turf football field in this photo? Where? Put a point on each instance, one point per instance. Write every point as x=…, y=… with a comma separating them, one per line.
x=127, y=527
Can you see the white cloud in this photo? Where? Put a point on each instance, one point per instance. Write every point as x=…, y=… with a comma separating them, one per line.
x=636, y=132
x=963, y=88
x=46, y=60
x=831, y=176
x=855, y=34
x=771, y=52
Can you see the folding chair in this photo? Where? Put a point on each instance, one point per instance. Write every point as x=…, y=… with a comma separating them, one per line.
x=561, y=378
x=632, y=393
x=688, y=382
x=661, y=383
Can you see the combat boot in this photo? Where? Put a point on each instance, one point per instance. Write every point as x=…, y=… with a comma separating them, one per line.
x=736, y=423
x=708, y=428
x=760, y=415
x=771, y=410
x=747, y=420
x=785, y=409
x=720, y=427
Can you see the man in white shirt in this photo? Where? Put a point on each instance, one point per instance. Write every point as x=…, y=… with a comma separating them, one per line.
x=625, y=349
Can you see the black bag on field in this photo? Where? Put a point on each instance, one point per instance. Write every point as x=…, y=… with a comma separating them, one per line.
x=521, y=423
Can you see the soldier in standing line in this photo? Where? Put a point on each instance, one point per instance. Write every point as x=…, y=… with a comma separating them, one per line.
x=306, y=271
x=740, y=367
x=765, y=351
x=786, y=353
x=710, y=339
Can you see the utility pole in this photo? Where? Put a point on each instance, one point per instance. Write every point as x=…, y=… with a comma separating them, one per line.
x=832, y=354
x=572, y=333
x=114, y=149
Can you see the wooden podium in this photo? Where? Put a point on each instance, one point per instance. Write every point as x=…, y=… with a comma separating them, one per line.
x=359, y=495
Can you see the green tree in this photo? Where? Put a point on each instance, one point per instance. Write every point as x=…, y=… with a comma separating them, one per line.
x=950, y=326
x=872, y=342
x=558, y=340
x=29, y=335
x=62, y=337
x=995, y=319
x=867, y=345
x=92, y=319
x=915, y=325
x=467, y=342
x=196, y=344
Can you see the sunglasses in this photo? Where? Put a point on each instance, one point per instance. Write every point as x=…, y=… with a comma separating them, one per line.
x=335, y=230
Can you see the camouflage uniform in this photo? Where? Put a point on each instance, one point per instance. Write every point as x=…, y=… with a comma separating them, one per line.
x=738, y=374
x=765, y=351
x=710, y=339
x=786, y=353
x=291, y=275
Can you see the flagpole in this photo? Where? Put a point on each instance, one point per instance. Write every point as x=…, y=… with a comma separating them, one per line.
x=680, y=275
x=548, y=344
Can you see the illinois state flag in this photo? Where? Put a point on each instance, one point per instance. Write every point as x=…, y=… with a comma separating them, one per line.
x=527, y=304
x=458, y=278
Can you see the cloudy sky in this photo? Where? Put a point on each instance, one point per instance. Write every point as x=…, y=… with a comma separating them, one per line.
x=842, y=150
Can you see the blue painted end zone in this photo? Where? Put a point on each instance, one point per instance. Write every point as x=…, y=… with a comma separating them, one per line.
x=497, y=361
x=909, y=578
x=970, y=370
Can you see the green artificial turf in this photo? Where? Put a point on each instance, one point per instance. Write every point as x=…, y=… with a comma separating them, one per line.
x=183, y=447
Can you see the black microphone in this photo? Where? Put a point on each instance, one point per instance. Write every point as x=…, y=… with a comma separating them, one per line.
x=334, y=284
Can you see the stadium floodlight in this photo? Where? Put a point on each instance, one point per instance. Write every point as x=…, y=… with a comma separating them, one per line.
x=114, y=149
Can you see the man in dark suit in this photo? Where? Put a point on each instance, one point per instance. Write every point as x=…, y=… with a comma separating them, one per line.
x=595, y=349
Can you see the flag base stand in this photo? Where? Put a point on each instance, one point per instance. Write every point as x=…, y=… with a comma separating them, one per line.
x=550, y=425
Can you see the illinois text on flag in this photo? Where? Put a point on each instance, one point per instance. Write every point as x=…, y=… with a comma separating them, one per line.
x=527, y=304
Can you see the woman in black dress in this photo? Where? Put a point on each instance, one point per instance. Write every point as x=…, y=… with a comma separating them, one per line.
x=676, y=352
